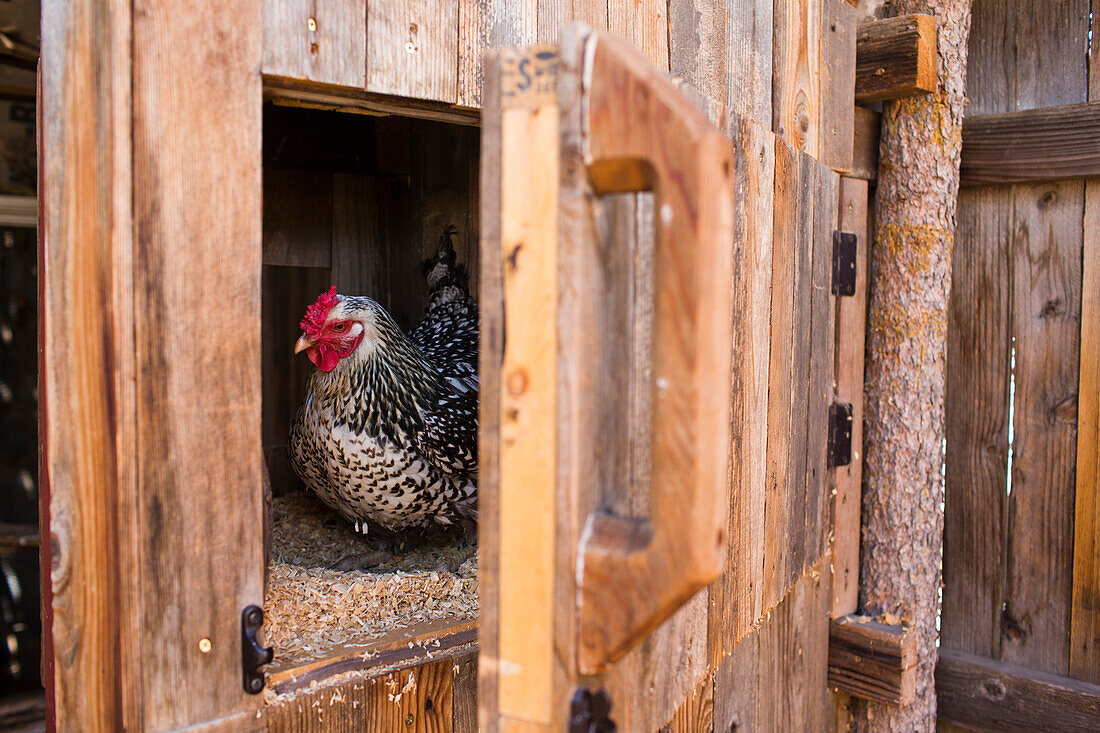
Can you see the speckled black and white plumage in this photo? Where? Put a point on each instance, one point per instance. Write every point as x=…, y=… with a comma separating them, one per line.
x=389, y=437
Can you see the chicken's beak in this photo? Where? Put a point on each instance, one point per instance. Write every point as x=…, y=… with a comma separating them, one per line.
x=303, y=344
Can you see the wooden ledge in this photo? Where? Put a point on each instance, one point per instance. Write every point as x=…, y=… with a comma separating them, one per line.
x=895, y=57
x=872, y=660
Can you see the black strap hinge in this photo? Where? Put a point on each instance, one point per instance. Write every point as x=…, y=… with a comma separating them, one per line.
x=844, y=263
x=253, y=656
x=589, y=712
x=840, y=434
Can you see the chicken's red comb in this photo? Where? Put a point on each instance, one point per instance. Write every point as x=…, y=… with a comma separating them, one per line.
x=316, y=314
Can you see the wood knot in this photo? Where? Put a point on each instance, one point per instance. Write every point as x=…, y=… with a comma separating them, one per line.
x=994, y=689
x=1047, y=199
x=517, y=382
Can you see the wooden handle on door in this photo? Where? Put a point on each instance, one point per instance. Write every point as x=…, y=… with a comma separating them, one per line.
x=643, y=135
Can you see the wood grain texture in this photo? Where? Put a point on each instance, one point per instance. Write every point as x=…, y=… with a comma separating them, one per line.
x=86, y=323
x=697, y=35
x=851, y=323
x=976, y=413
x=986, y=695
x=865, y=144
x=316, y=40
x=872, y=660
x=895, y=57
x=1084, y=653
x=645, y=24
x=776, y=677
x=465, y=709
x=1047, y=143
x=796, y=74
x=749, y=66
x=197, y=160
x=838, y=74
x=737, y=597
x=777, y=482
x=821, y=384
x=490, y=357
x=412, y=49
x=1045, y=313
x=528, y=404
x=420, y=699
x=696, y=713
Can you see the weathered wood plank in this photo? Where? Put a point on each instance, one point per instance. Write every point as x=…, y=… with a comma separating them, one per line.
x=421, y=699
x=464, y=719
x=987, y=695
x=199, y=464
x=976, y=408
x=865, y=144
x=697, y=45
x=792, y=655
x=696, y=713
x=1032, y=145
x=798, y=532
x=851, y=322
x=796, y=74
x=412, y=49
x=872, y=660
x=821, y=383
x=316, y=40
x=1084, y=652
x=1045, y=313
x=490, y=356
x=838, y=72
x=737, y=596
x=780, y=370
x=895, y=57
x=86, y=402
x=749, y=67
x=775, y=679
x=645, y=24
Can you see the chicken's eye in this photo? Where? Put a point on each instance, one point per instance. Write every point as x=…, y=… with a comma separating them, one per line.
x=340, y=327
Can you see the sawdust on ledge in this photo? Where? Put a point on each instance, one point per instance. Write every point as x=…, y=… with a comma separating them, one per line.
x=330, y=589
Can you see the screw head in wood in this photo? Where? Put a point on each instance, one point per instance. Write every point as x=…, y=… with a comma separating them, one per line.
x=312, y=25
x=205, y=646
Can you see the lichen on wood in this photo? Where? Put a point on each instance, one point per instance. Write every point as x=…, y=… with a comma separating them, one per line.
x=906, y=358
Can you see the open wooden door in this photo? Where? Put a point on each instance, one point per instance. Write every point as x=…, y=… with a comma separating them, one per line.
x=606, y=380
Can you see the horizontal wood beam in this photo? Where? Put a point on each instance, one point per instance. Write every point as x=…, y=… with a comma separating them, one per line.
x=1033, y=145
x=895, y=57
x=872, y=660
x=987, y=695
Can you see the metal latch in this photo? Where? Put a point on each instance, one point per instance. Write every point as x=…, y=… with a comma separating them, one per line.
x=589, y=712
x=253, y=656
x=840, y=434
x=844, y=263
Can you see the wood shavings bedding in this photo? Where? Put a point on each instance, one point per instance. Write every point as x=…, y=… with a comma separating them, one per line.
x=332, y=590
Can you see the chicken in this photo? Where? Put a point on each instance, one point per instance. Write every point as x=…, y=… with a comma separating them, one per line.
x=387, y=430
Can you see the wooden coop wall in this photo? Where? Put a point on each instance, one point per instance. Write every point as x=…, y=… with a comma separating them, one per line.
x=1021, y=598
x=152, y=244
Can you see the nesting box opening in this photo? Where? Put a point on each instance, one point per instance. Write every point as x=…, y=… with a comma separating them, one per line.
x=357, y=202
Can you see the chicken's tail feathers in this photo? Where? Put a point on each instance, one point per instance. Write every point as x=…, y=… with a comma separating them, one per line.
x=447, y=277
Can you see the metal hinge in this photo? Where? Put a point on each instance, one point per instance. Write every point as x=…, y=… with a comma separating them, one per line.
x=253, y=656
x=589, y=712
x=840, y=434
x=844, y=263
